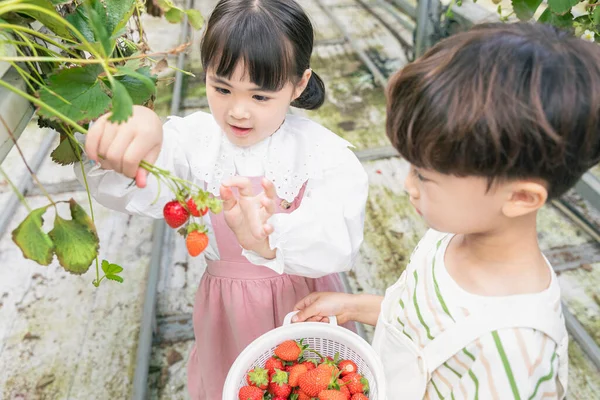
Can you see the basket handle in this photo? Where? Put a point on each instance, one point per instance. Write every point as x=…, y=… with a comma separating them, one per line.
x=288, y=319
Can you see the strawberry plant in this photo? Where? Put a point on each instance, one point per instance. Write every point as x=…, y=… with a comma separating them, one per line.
x=90, y=58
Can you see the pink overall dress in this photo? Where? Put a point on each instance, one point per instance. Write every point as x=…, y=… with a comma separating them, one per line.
x=237, y=302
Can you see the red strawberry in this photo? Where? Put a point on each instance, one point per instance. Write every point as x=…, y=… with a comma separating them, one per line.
x=311, y=364
x=258, y=377
x=289, y=350
x=347, y=367
x=289, y=365
x=196, y=242
x=175, y=214
x=313, y=382
x=250, y=393
x=344, y=389
x=279, y=398
x=360, y=396
x=279, y=386
x=191, y=204
x=272, y=364
x=301, y=395
x=356, y=383
x=295, y=373
x=332, y=395
x=333, y=370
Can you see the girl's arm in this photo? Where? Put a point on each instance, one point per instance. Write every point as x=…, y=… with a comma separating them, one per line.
x=324, y=234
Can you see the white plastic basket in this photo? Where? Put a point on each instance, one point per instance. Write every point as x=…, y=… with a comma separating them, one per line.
x=327, y=339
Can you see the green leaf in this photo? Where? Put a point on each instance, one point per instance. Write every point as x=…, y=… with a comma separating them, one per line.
x=122, y=104
x=174, y=15
x=97, y=17
x=524, y=9
x=78, y=94
x=117, y=14
x=195, y=18
x=561, y=6
x=76, y=241
x=111, y=269
x=560, y=21
x=35, y=244
x=596, y=15
x=115, y=278
x=51, y=23
x=81, y=21
x=140, y=83
x=65, y=153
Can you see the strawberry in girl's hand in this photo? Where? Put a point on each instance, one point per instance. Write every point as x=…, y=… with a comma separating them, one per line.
x=315, y=381
x=295, y=373
x=258, y=377
x=272, y=364
x=347, y=367
x=332, y=395
x=175, y=214
x=250, y=393
x=359, y=396
x=196, y=241
x=290, y=350
x=279, y=386
x=191, y=205
x=356, y=383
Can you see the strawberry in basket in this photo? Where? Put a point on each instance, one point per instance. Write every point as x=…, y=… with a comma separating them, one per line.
x=288, y=375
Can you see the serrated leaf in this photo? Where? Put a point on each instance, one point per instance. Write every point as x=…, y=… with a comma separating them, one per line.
x=82, y=97
x=561, y=6
x=122, y=104
x=51, y=23
x=76, y=242
x=140, y=84
x=111, y=269
x=81, y=21
x=115, y=278
x=97, y=17
x=195, y=18
x=35, y=244
x=524, y=9
x=65, y=153
x=174, y=15
x=560, y=21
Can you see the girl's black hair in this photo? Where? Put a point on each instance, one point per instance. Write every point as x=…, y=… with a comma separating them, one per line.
x=273, y=38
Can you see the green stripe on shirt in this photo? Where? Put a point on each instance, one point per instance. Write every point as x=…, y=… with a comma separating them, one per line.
x=418, y=309
x=507, y=368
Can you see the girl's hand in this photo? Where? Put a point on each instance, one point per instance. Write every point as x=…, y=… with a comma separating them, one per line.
x=121, y=147
x=247, y=214
x=318, y=306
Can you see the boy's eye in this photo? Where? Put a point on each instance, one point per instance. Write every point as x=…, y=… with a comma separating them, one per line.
x=419, y=176
x=260, y=98
x=221, y=90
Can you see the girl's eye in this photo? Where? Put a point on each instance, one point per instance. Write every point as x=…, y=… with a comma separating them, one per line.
x=222, y=91
x=260, y=98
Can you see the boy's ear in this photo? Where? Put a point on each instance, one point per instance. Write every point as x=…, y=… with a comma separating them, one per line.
x=524, y=197
x=301, y=85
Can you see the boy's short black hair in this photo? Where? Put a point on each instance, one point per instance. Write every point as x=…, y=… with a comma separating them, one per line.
x=502, y=101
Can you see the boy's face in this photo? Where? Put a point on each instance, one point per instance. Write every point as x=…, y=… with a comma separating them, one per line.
x=246, y=113
x=461, y=205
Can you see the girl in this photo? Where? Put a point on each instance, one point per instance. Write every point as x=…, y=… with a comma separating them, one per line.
x=294, y=193
x=494, y=122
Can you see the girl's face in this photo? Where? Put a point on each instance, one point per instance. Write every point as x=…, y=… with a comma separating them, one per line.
x=245, y=112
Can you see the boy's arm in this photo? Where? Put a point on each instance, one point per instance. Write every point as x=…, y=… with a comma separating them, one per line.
x=317, y=306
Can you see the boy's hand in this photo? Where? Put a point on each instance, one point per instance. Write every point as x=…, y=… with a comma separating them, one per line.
x=247, y=214
x=121, y=147
x=318, y=306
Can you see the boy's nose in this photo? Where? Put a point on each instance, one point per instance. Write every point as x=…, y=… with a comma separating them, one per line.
x=410, y=187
